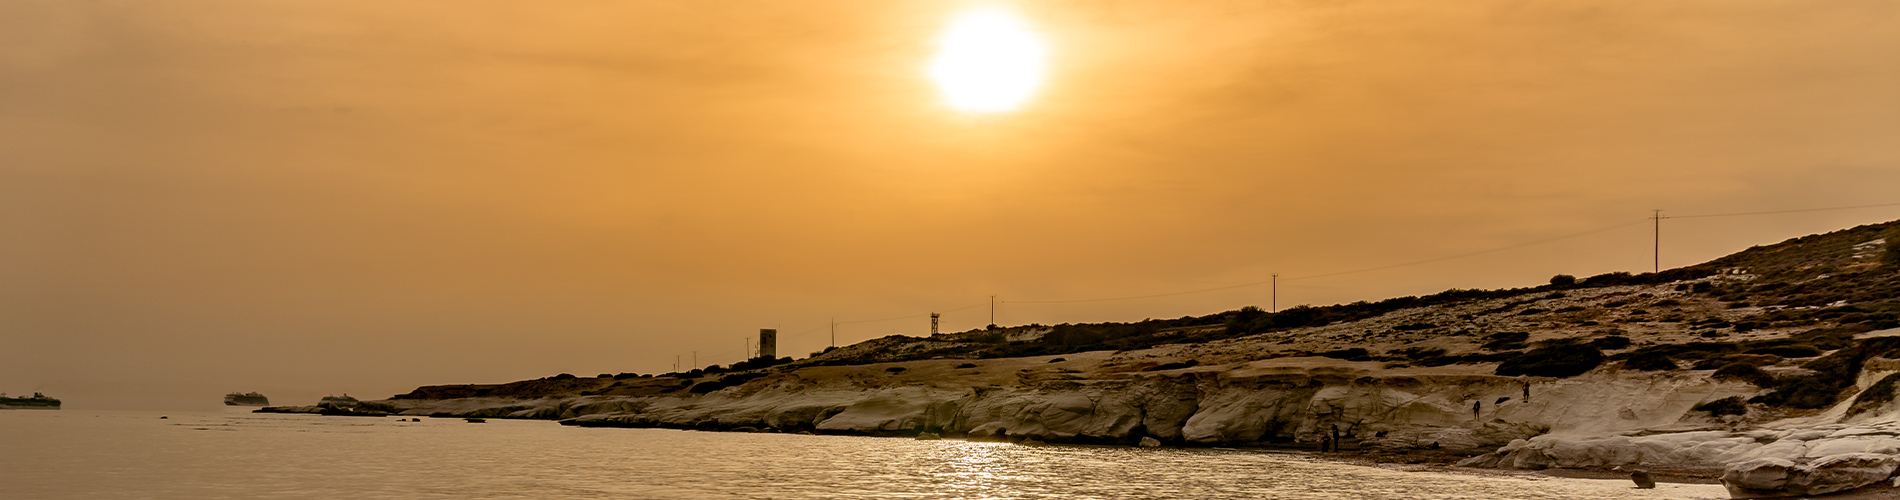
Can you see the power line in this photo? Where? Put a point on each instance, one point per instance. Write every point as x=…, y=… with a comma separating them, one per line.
x=1655, y=218
x=895, y=318
x=1784, y=211
x=1341, y=273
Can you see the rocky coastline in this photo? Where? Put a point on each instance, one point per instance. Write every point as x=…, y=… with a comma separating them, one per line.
x=1772, y=371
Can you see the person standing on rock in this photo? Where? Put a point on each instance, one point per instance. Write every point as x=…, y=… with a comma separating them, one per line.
x=1475, y=405
x=1325, y=443
x=1527, y=391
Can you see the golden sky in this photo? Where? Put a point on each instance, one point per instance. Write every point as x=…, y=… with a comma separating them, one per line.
x=318, y=197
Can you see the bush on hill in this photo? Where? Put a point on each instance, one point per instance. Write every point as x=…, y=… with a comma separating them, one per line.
x=1497, y=357
x=1787, y=351
x=1610, y=343
x=1417, y=353
x=1175, y=366
x=1353, y=354
x=1834, y=373
x=1505, y=341
x=1689, y=351
x=1757, y=360
x=1891, y=255
x=1553, y=359
x=727, y=381
x=1876, y=395
x=1649, y=362
x=1807, y=392
x=1744, y=372
x=1828, y=339
x=1733, y=405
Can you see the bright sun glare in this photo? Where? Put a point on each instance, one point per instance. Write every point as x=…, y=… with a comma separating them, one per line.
x=989, y=61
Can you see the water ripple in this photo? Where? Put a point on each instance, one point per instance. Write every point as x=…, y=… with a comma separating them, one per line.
x=107, y=455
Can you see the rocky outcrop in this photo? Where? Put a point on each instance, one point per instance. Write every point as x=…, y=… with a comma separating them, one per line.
x=1277, y=402
x=1777, y=477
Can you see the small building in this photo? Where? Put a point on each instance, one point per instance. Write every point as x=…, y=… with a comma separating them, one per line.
x=768, y=343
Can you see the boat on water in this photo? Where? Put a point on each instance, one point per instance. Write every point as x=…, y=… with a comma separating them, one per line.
x=246, y=399
x=36, y=402
x=344, y=401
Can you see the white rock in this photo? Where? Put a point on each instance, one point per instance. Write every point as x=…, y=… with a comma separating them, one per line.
x=1754, y=478
x=1855, y=444
x=1771, y=477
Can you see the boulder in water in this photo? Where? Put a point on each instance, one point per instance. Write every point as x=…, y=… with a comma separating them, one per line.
x=928, y=436
x=1149, y=442
x=1642, y=479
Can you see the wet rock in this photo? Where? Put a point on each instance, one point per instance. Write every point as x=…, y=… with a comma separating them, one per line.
x=1642, y=479
x=1148, y=442
x=928, y=436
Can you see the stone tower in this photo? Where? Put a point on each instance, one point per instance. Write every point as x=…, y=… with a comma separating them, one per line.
x=768, y=343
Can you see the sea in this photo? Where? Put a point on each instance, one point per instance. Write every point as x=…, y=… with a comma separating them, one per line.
x=234, y=454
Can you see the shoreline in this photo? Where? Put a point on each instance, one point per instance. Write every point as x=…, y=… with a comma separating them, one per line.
x=1443, y=461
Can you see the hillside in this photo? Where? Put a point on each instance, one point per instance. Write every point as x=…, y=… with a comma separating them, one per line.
x=1779, y=364
x=1812, y=287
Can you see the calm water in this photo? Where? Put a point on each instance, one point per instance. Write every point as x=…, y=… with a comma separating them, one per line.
x=233, y=454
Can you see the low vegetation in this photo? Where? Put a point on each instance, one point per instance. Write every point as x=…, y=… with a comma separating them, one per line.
x=1744, y=372
x=1553, y=358
x=1733, y=405
x=1875, y=396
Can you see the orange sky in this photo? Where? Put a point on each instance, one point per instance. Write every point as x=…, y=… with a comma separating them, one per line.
x=304, y=198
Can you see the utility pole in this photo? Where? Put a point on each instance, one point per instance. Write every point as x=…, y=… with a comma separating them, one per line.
x=676, y=362
x=834, y=331
x=992, y=310
x=695, y=359
x=1656, y=250
x=1273, y=300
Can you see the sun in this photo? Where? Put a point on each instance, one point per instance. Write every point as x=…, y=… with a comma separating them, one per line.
x=988, y=61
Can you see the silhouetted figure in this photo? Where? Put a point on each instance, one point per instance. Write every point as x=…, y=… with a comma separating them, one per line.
x=1474, y=409
x=1325, y=443
x=1335, y=428
x=1527, y=391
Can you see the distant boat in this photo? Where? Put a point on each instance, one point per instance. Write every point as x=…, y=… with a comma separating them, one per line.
x=340, y=402
x=37, y=402
x=474, y=420
x=246, y=399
